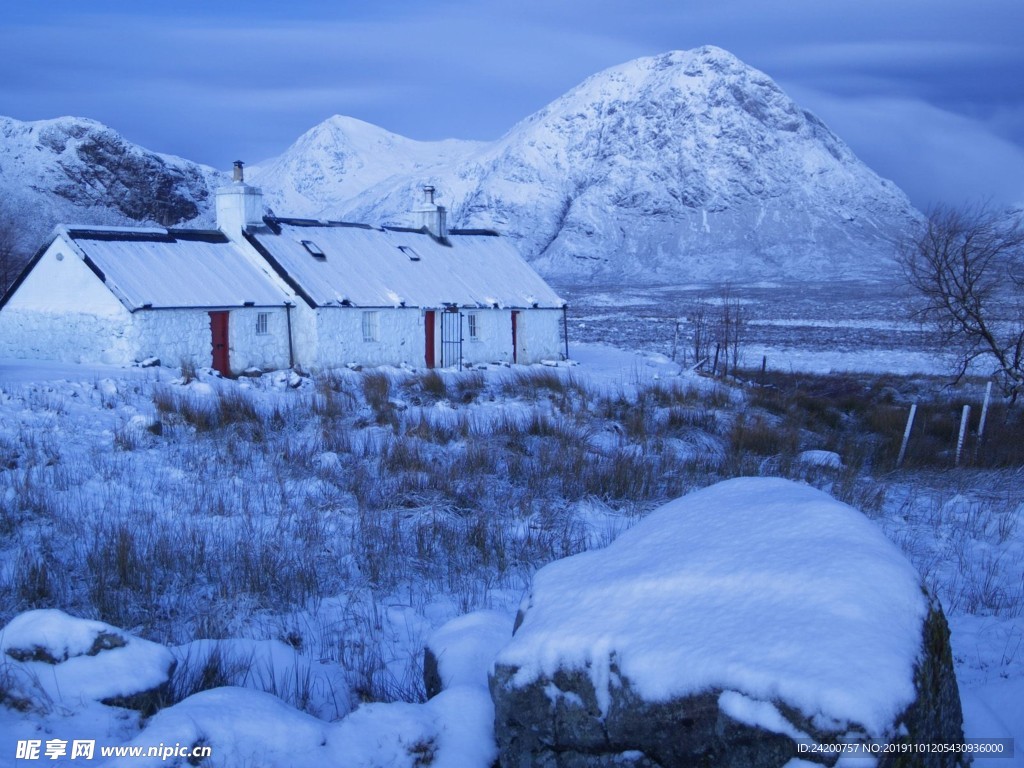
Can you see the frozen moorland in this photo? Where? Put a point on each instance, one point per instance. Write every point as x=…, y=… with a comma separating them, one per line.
x=295, y=541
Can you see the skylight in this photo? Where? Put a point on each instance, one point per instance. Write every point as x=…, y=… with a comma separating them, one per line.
x=410, y=252
x=314, y=249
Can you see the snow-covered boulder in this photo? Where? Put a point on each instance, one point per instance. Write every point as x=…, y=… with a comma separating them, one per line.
x=242, y=728
x=63, y=659
x=462, y=651
x=824, y=459
x=267, y=665
x=238, y=727
x=729, y=628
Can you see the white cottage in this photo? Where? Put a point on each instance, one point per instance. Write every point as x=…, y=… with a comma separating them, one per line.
x=118, y=296
x=273, y=292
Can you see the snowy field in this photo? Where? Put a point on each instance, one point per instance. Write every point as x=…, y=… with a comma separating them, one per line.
x=818, y=327
x=323, y=529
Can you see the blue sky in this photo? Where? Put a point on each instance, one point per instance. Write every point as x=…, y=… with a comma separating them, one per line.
x=930, y=93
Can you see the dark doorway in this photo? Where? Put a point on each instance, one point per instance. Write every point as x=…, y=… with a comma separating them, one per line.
x=219, y=339
x=429, y=331
x=451, y=338
x=515, y=335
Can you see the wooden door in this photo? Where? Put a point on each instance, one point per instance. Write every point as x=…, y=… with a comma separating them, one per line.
x=219, y=340
x=428, y=330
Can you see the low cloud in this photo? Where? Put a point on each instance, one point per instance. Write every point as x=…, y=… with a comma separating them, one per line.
x=933, y=155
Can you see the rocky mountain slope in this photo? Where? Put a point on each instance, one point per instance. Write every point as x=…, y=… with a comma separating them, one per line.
x=689, y=165
x=74, y=170
x=670, y=169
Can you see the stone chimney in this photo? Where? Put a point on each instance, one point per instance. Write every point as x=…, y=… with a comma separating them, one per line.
x=238, y=205
x=430, y=215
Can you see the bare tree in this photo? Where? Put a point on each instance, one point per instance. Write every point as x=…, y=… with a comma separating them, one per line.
x=717, y=331
x=967, y=268
x=12, y=256
x=730, y=331
x=700, y=319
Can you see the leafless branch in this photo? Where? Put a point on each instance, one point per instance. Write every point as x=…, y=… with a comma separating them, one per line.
x=965, y=266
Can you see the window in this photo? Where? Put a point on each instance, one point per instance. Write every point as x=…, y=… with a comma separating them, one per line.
x=314, y=250
x=410, y=252
x=473, y=325
x=262, y=323
x=371, y=326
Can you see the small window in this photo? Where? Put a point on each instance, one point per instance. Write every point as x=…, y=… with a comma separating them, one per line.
x=262, y=323
x=315, y=251
x=410, y=252
x=371, y=326
x=473, y=325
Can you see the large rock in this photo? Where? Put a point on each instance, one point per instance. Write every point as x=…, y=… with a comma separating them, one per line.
x=737, y=626
x=462, y=651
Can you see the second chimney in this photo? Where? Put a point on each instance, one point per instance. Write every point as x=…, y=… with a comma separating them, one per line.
x=430, y=215
x=238, y=205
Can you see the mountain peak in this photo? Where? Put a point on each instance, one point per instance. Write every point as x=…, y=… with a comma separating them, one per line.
x=684, y=166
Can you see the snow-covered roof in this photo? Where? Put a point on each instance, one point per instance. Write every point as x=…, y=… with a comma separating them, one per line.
x=152, y=268
x=339, y=264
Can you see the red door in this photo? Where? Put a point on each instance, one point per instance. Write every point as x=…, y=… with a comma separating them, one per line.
x=219, y=337
x=428, y=328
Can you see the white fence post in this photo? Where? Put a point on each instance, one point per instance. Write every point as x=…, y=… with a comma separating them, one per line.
x=963, y=431
x=906, y=434
x=984, y=410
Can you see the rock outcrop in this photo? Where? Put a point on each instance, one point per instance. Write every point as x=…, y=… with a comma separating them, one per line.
x=74, y=170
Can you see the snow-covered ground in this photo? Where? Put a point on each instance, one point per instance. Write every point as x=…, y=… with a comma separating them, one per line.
x=815, y=327
x=325, y=581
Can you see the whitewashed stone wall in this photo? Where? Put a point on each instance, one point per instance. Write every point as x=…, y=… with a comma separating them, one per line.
x=305, y=337
x=63, y=311
x=539, y=334
x=340, y=337
x=402, y=338
x=249, y=349
x=493, y=343
x=175, y=335
x=61, y=282
x=69, y=336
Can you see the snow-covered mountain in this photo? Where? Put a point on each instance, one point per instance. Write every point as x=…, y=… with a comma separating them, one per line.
x=669, y=169
x=688, y=165
x=332, y=167
x=78, y=171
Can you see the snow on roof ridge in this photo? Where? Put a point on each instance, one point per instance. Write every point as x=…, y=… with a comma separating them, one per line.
x=109, y=228
x=69, y=228
x=306, y=222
